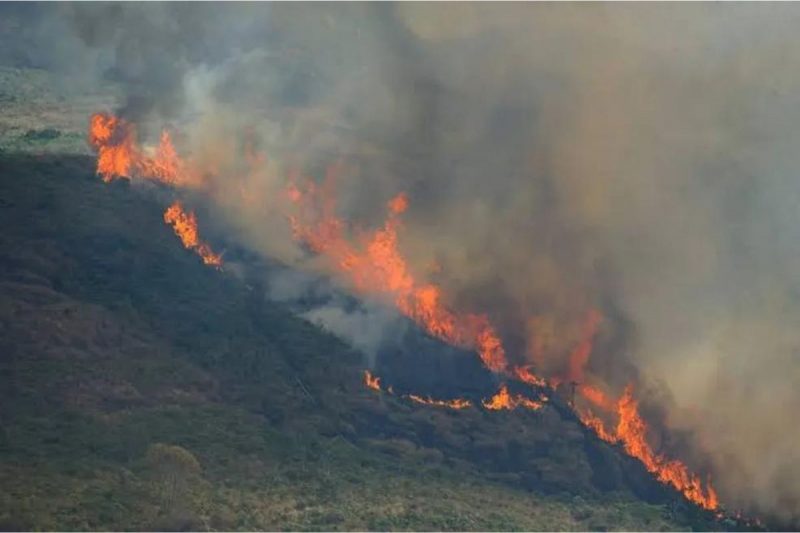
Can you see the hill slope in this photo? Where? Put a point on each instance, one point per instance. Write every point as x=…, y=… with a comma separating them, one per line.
x=141, y=389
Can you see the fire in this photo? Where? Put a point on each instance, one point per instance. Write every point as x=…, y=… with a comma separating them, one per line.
x=593, y=422
x=185, y=226
x=504, y=400
x=373, y=382
x=525, y=375
x=114, y=141
x=580, y=355
x=458, y=403
x=375, y=265
x=119, y=155
x=631, y=431
x=596, y=396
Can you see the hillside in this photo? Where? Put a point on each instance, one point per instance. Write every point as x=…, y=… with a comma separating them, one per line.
x=117, y=341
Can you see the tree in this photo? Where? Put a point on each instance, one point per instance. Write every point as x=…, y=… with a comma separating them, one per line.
x=174, y=469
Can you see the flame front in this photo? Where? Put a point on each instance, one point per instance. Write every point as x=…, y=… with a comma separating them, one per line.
x=374, y=382
x=185, y=226
x=505, y=400
x=119, y=155
x=631, y=433
x=458, y=403
x=376, y=266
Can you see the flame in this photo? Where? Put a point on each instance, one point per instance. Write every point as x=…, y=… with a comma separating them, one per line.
x=375, y=266
x=596, y=396
x=504, y=400
x=458, y=403
x=373, y=382
x=631, y=431
x=185, y=226
x=580, y=355
x=594, y=423
x=114, y=141
x=119, y=155
x=525, y=375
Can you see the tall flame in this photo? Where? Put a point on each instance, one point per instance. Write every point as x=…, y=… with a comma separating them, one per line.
x=375, y=265
x=119, y=155
x=185, y=226
x=631, y=433
x=580, y=355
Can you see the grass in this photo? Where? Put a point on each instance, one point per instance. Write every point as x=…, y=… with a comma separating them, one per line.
x=47, y=112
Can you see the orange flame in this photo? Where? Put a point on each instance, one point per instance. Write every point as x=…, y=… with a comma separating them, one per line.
x=525, y=375
x=580, y=355
x=596, y=396
x=185, y=226
x=504, y=400
x=376, y=266
x=373, y=382
x=631, y=432
x=114, y=141
x=118, y=154
x=593, y=422
x=458, y=403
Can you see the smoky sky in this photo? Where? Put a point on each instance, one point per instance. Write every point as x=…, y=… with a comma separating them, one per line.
x=639, y=159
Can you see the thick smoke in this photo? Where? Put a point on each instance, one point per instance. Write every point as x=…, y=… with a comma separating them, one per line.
x=635, y=159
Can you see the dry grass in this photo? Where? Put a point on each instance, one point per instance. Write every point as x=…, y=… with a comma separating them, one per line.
x=48, y=112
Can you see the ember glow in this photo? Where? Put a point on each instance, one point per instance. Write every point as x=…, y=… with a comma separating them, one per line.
x=185, y=226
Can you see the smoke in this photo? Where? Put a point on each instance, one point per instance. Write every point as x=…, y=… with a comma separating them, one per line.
x=634, y=159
